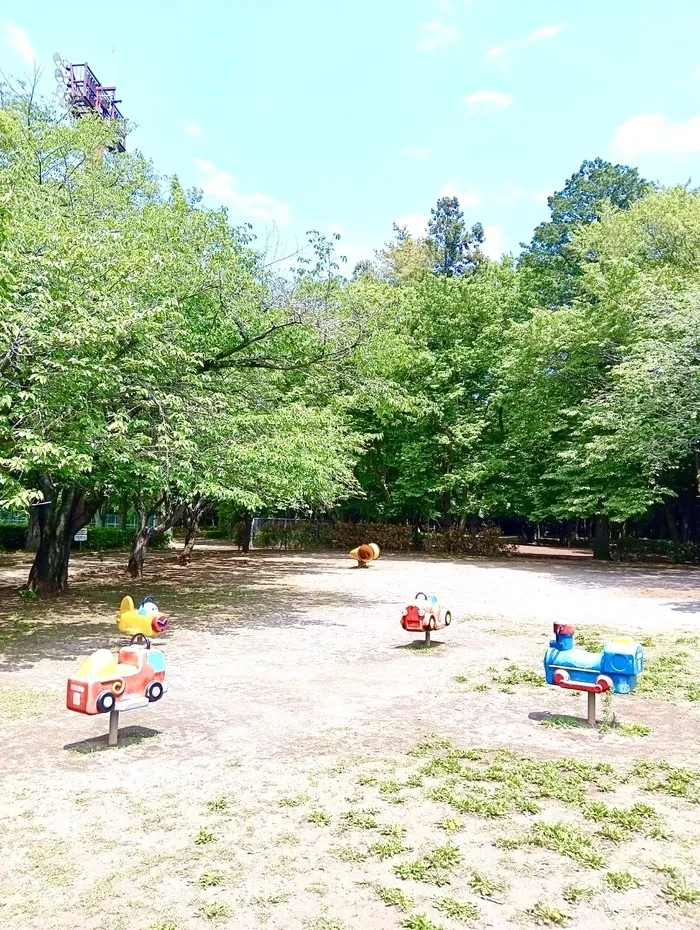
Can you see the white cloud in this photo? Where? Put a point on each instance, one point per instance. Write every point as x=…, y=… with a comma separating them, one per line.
x=541, y=197
x=512, y=194
x=192, y=129
x=446, y=5
x=482, y=101
x=493, y=242
x=470, y=197
x=415, y=223
x=422, y=153
x=545, y=32
x=17, y=39
x=223, y=187
x=502, y=51
x=653, y=132
x=436, y=35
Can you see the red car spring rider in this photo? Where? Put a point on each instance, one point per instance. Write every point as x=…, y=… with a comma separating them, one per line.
x=425, y=614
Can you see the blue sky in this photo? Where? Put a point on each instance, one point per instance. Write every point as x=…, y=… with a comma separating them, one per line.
x=347, y=116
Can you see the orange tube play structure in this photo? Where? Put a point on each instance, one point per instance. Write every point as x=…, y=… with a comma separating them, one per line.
x=365, y=554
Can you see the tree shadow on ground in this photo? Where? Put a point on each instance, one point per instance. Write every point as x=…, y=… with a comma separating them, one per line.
x=128, y=736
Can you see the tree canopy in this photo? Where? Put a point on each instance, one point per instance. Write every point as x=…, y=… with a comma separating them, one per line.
x=150, y=354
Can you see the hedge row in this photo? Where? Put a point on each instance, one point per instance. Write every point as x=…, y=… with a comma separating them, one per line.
x=486, y=542
x=632, y=549
x=13, y=536
x=302, y=535
x=111, y=537
x=392, y=537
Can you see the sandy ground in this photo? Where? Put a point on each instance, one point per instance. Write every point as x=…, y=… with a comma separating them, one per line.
x=295, y=697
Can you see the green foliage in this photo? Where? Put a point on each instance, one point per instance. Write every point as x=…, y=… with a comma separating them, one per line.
x=393, y=897
x=457, y=910
x=546, y=914
x=621, y=881
x=486, y=542
x=389, y=537
x=12, y=537
x=455, y=249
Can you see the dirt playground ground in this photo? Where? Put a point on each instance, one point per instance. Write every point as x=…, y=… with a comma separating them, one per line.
x=313, y=767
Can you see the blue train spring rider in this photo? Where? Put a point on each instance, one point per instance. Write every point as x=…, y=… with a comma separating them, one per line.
x=615, y=669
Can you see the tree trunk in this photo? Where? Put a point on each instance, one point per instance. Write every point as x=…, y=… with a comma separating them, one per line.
x=137, y=556
x=33, y=530
x=170, y=514
x=62, y=514
x=601, y=538
x=247, y=532
x=671, y=521
x=194, y=513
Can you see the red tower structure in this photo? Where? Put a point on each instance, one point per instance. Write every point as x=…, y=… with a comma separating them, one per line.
x=82, y=91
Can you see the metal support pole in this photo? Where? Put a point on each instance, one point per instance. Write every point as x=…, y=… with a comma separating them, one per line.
x=113, y=736
x=427, y=637
x=591, y=708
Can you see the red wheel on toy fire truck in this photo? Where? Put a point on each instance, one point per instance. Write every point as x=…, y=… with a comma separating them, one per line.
x=154, y=692
x=448, y=618
x=105, y=702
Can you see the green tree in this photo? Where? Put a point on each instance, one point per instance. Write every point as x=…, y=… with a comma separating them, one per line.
x=456, y=250
x=551, y=267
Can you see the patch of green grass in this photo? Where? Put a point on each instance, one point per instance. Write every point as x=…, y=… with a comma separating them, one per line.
x=204, y=836
x=592, y=639
x=419, y=922
x=387, y=849
x=430, y=745
x=482, y=687
x=319, y=818
x=287, y=839
x=294, y=800
x=367, y=781
x=615, y=834
x=562, y=721
x=324, y=923
x=461, y=679
x=394, y=830
x=347, y=854
x=167, y=925
x=680, y=892
x=393, y=897
x=218, y=804
x=665, y=868
x=390, y=787
x=560, y=838
x=574, y=894
x=210, y=880
x=621, y=881
x=668, y=779
x=517, y=675
x=21, y=703
x=53, y=862
x=414, y=781
x=217, y=910
x=271, y=900
x=621, y=822
x=625, y=729
x=451, y=825
x=319, y=888
x=547, y=914
x=360, y=820
x=432, y=868
x=456, y=910
x=670, y=676
x=485, y=886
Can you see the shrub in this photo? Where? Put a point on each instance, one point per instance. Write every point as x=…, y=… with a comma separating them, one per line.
x=396, y=537
x=110, y=537
x=301, y=534
x=13, y=536
x=631, y=548
x=488, y=541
